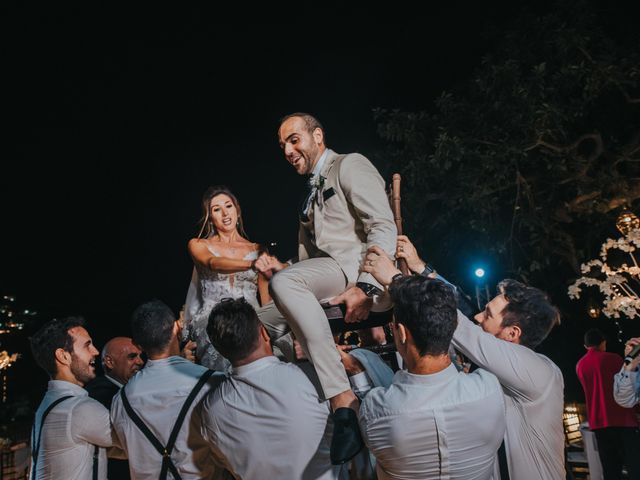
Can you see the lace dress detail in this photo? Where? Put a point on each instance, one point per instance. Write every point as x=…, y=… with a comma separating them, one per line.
x=215, y=286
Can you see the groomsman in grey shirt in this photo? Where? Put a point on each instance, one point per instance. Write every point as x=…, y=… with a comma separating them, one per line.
x=516, y=321
x=69, y=428
x=433, y=421
x=265, y=420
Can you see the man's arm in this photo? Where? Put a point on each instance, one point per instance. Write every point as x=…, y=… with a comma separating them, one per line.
x=363, y=188
x=90, y=422
x=518, y=368
x=203, y=423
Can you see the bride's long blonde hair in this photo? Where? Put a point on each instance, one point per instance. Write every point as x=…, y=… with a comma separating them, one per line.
x=207, y=229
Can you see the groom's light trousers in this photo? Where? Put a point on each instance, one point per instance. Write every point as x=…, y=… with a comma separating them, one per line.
x=296, y=291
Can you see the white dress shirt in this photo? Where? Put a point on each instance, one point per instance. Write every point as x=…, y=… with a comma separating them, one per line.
x=533, y=393
x=266, y=422
x=114, y=381
x=70, y=432
x=626, y=388
x=156, y=393
x=446, y=425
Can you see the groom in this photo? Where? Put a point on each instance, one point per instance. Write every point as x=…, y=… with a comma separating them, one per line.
x=345, y=212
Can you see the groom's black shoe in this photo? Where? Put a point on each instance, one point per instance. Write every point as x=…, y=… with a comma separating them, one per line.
x=346, y=441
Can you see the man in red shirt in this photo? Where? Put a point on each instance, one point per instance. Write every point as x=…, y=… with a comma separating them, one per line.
x=615, y=427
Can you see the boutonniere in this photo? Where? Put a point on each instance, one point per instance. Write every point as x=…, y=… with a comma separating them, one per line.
x=318, y=182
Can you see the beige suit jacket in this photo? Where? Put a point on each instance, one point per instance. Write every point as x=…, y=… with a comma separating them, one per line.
x=350, y=214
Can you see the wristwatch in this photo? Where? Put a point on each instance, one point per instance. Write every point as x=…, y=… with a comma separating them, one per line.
x=396, y=277
x=368, y=289
x=428, y=270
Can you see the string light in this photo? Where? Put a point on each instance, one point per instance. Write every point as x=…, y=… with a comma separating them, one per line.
x=619, y=327
x=627, y=221
x=593, y=311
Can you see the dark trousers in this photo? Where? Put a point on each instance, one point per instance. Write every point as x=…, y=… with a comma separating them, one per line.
x=619, y=446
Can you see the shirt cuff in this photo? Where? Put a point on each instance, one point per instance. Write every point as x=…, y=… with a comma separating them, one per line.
x=360, y=380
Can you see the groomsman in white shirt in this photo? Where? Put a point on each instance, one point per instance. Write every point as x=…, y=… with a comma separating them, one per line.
x=146, y=413
x=432, y=421
x=512, y=325
x=266, y=419
x=70, y=429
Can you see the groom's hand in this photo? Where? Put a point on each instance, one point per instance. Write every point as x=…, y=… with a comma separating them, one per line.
x=357, y=303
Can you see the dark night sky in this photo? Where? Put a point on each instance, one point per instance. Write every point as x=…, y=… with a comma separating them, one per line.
x=119, y=119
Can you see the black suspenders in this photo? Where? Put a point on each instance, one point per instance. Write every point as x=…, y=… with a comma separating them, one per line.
x=35, y=450
x=165, y=451
x=502, y=462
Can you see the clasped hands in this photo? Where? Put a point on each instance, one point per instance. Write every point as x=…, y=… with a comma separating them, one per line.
x=268, y=265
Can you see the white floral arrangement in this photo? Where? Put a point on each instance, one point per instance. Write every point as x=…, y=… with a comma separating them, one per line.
x=617, y=284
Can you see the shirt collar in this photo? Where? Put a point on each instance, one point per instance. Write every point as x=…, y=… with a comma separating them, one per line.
x=63, y=386
x=440, y=378
x=319, y=165
x=254, y=366
x=166, y=361
x=114, y=381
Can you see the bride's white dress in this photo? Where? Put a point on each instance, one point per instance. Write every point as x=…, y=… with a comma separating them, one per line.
x=206, y=290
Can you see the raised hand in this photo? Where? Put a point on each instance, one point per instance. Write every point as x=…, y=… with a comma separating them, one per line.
x=632, y=342
x=405, y=249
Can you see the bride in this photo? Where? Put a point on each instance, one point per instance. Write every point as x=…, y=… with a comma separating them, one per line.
x=224, y=266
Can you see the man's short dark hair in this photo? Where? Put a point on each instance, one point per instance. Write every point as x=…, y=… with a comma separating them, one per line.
x=310, y=122
x=234, y=329
x=530, y=309
x=50, y=337
x=152, y=326
x=593, y=338
x=427, y=308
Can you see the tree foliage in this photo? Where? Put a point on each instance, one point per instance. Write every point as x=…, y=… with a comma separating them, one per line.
x=532, y=158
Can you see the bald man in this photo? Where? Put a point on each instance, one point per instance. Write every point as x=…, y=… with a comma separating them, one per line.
x=120, y=361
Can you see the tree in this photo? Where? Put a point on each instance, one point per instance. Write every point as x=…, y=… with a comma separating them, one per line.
x=533, y=157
